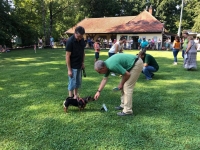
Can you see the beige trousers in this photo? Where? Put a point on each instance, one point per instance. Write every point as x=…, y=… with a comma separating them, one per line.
x=127, y=92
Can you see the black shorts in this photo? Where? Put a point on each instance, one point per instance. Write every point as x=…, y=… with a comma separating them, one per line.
x=96, y=55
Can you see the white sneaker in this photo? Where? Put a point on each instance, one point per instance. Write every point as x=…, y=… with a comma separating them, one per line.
x=175, y=63
x=112, y=74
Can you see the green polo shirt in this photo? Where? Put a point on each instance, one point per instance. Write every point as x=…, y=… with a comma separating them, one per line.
x=150, y=60
x=120, y=63
x=185, y=43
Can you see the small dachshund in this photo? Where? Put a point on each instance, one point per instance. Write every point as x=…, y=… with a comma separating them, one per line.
x=79, y=102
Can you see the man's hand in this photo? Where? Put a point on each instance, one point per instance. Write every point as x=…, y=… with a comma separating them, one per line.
x=97, y=95
x=70, y=73
x=83, y=66
x=120, y=86
x=125, y=77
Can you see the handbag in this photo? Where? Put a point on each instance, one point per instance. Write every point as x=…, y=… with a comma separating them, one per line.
x=185, y=56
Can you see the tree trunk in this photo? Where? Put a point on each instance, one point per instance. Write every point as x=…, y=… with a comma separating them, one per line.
x=51, y=17
x=44, y=22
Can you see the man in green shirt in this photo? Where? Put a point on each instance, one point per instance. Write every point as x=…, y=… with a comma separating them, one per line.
x=185, y=43
x=150, y=65
x=130, y=67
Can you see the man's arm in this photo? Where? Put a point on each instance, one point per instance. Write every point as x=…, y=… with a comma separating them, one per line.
x=83, y=65
x=68, y=54
x=101, y=86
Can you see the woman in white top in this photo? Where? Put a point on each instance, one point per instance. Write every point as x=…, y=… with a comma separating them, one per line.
x=117, y=47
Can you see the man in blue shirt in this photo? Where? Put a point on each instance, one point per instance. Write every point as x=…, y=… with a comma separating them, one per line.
x=144, y=45
x=51, y=41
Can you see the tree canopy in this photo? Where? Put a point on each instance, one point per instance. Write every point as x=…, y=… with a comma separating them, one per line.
x=33, y=19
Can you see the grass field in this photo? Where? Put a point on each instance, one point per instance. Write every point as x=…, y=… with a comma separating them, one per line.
x=34, y=86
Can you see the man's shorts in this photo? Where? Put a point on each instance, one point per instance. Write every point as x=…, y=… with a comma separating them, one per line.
x=96, y=55
x=75, y=80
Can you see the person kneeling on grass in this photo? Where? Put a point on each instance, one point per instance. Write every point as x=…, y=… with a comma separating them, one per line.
x=130, y=67
x=150, y=65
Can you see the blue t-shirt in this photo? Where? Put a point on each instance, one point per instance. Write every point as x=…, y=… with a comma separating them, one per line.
x=139, y=40
x=144, y=44
x=51, y=39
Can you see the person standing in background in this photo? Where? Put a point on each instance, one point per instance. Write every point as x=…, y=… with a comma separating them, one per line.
x=159, y=44
x=97, y=49
x=51, y=42
x=117, y=48
x=185, y=43
x=190, y=57
x=176, y=48
x=144, y=45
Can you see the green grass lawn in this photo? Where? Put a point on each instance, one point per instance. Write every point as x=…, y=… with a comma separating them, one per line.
x=34, y=86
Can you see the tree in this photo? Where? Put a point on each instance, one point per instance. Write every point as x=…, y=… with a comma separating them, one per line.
x=46, y=17
x=6, y=25
x=30, y=19
x=196, y=16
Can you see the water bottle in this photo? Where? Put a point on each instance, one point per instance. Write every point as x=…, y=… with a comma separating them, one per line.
x=104, y=107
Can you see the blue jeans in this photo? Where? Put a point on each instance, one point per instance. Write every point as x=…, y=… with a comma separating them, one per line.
x=110, y=54
x=175, y=53
x=159, y=44
x=148, y=71
x=183, y=53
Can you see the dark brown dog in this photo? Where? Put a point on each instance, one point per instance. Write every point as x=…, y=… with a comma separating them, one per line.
x=79, y=102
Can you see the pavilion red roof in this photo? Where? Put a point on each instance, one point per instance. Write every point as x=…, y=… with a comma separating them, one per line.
x=143, y=23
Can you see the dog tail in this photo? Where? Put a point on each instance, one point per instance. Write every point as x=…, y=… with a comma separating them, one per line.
x=64, y=106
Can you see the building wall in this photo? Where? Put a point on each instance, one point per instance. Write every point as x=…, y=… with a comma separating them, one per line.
x=147, y=36
x=156, y=36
